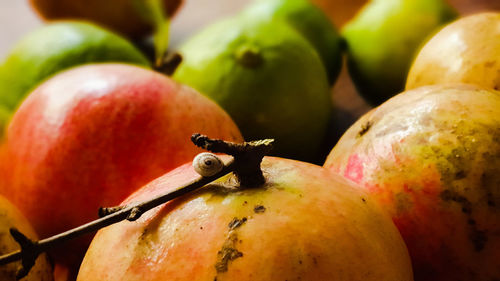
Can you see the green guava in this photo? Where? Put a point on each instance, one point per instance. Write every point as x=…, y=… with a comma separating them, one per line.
x=268, y=78
x=383, y=39
x=311, y=22
x=56, y=47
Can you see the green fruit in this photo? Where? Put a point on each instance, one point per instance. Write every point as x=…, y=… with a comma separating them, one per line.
x=267, y=77
x=383, y=39
x=56, y=47
x=311, y=22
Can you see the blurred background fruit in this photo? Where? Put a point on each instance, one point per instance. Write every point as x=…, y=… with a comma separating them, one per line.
x=269, y=79
x=383, y=39
x=123, y=16
x=340, y=11
x=11, y=217
x=55, y=47
x=467, y=51
x=311, y=22
x=5, y=114
x=466, y=7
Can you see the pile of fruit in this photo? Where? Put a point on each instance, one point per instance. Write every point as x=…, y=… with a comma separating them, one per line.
x=96, y=127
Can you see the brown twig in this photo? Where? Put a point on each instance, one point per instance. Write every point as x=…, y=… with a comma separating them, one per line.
x=246, y=156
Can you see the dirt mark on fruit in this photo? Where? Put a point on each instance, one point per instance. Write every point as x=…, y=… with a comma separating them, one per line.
x=478, y=237
x=259, y=209
x=228, y=252
x=364, y=128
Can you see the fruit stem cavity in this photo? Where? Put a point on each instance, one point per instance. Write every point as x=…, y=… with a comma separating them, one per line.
x=249, y=56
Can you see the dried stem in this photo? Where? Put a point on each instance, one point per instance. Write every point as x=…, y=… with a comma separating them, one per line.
x=248, y=151
x=169, y=63
x=247, y=156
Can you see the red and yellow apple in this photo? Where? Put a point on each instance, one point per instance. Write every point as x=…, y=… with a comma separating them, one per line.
x=431, y=158
x=92, y=135
x=123, y=16
x=303, y=223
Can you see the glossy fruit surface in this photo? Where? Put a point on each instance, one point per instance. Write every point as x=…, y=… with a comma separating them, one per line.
x=383, y=39
x=56, y=47
x=10, y=217
x=124, y=16
x=268, y=78
x=465, y=51
x=431, y=158
x=311, y=22
x=304, y=223
x=92, y=135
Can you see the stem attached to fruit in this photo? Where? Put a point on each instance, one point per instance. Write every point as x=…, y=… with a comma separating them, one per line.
x=245, y=165
x=247, y=157
x=169, y=63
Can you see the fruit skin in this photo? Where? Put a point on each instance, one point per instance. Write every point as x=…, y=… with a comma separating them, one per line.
x=92, y=135
x=340, y=11
x=10, y=217
x=123, y=16
x=383, y=39
x=431, y=158
x=475, y=6
x=56, y=47
x=303, y=224
x=4, y=119
x=267, y=77
x=465, y=51
x=311, y=22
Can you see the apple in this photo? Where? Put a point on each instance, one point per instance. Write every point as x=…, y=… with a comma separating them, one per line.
x=123, y=16
x=11, y=217
x=431, y=157
x=465, y=51
x=303, y=223
x=90, y=136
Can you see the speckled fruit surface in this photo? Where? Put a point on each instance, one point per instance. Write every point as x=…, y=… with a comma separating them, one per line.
x=431, y=158
x=304, y=223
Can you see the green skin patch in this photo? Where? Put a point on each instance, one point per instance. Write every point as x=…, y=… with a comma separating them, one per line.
x=311, y=22
x=383, y=39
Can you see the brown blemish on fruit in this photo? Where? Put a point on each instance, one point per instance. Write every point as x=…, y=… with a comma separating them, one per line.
x=448, y=195
x=235, y=223
x=259, y=209
x=364, y=128
x=227, y=253
x=489, y=64
x=478, y=238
